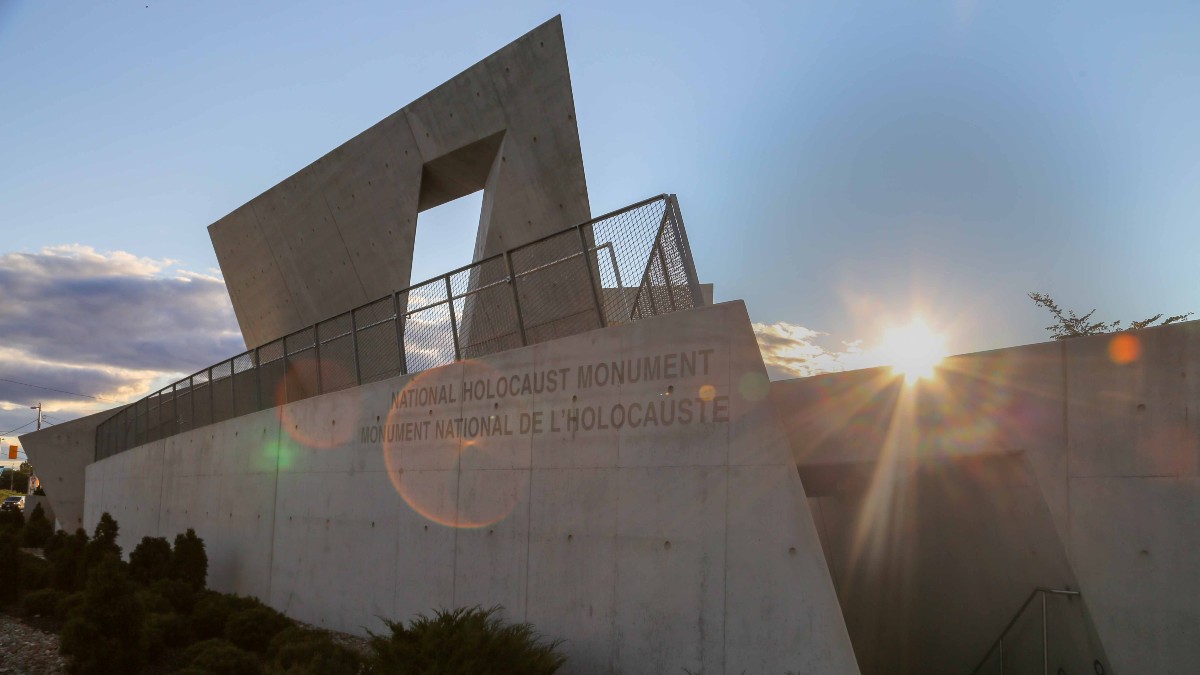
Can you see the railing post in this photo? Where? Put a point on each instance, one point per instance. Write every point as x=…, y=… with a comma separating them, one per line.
x=453, y=321
x=354, y=347
x=257, y=381
x=662, y=263
x=1045, y=652
x=212, y=398
x=317, y=354
x=685, y=251
x=287, y=396
x=233, y=408
x=587, y=262
x=399, y=334
x=512, y=284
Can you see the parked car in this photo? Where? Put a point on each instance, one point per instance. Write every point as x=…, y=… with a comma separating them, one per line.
x=14, y=503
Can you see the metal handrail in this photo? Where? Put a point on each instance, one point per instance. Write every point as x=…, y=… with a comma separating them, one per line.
x=160, y=414
x=999, y=643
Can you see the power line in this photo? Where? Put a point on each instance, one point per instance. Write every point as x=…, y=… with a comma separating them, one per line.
x=18, y=428
x=62, y=391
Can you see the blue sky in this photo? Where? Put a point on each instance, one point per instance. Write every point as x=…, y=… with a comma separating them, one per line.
x=841, y=165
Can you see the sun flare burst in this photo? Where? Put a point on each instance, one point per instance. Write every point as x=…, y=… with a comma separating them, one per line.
x=913, y=350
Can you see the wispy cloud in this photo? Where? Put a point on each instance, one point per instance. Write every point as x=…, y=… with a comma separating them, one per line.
x=111, y=325
x=791, y=350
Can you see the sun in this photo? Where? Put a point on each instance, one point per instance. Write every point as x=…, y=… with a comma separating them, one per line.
x=913, y=350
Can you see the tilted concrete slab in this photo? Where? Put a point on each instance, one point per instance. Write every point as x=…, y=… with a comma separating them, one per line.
x=653, y=518
x=340, y=232
x=60, y=455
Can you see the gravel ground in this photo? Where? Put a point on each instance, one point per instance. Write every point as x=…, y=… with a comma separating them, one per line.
x=28, y=650
x=25, y=650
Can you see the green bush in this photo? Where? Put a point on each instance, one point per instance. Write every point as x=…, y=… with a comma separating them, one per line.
x=38, y=529
x=181, y=596
x=103, y=544
x=253, y=628
x=55, y=543
x=34, y=572
x=166, y=631
x=298, y=651
x=68, y=607
x=151, y=602
x=189, y=562
x=212, y=612
x=151, y=560
x=10, y=563
x=66, y=562
x=471, y=640
x=221, y=657
x=42, y=603
x=104, y=634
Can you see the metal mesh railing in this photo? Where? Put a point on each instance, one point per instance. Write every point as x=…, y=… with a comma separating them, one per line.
x=627, y=265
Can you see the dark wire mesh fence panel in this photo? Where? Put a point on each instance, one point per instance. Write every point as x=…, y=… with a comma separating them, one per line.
x=183, y=405
x=554, y=288
x=118, y=429
x=673, y=258
x=302, y=372
x=631, y=235
x=624, y=266
x=222, y=389
x=378, y=345
x=153, y=411
x=485, y=308
x=169, y=420
x=428, y=332
x=139, y=422
x=201, y=399
x=130, y=421
x=245, y=385
x=655, y=282
x=337, y=354
x=271, y=374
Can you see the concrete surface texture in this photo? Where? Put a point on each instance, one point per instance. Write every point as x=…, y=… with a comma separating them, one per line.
x=1060, y=464
x=340, y=232
x=60, y=455
x=627, y=489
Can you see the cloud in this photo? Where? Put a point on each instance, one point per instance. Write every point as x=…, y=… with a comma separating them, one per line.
x=107, y=324
x=790, y=350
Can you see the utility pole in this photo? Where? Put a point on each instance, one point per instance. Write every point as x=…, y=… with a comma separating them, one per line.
x=38, y=408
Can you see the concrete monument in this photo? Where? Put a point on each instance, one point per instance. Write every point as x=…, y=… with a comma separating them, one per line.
x=568, y=429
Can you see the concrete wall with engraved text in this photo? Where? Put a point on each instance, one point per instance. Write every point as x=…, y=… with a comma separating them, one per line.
x=627, y=489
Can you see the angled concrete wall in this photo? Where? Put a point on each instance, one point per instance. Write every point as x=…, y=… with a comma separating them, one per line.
x=60, y=455
x=1106, y=430
x=340, y=232
x=650, y=541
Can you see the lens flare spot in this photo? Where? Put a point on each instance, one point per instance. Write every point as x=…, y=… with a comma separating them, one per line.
x=913, y=350
x=1124, y=349
x=334, y=427
x=273, y=456
x=708, y=392
x=753, y=386
x=425, y=453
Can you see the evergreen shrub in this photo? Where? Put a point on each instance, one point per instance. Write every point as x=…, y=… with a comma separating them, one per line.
x=473, y=640
x=221, y=657
x=104, y=634
x=38, y=529
x=150, y=560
